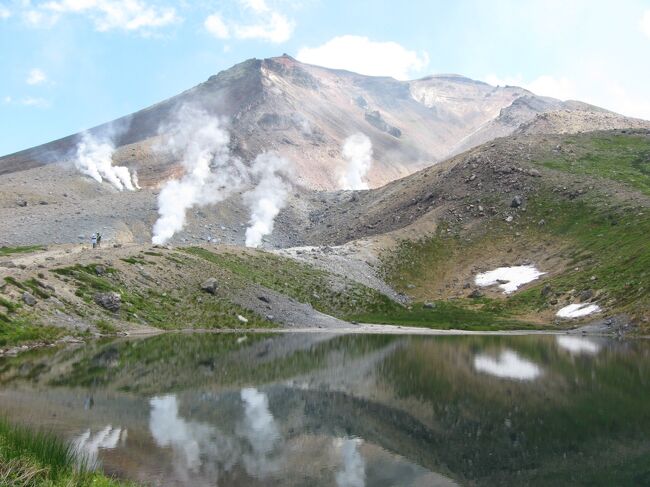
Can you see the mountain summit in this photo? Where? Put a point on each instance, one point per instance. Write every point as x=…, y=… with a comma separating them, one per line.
x=305, y=112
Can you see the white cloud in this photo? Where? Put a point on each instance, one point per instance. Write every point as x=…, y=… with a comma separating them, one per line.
x=5, y=13
x=545, y=85
x=595, y=86
x=258, y=6
x=361, y=55
x=276, y=28
x=30, y=101
x=645, y=23
x=266, y=24
x=217, y=27
x=562, y=88
x=36, y=77
x=128, y=15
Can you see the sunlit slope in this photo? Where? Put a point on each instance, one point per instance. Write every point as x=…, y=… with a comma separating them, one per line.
x=584, y=220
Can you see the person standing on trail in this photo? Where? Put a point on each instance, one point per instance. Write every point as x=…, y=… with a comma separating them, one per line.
x=99, y=239
x=93, y=240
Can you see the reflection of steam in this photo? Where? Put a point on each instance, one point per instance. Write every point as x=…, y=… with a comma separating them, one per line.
x=190, y=440
x=261, y=431
x=95, y=159
x=357, y=151
x=508, y=365
x=577, y=345
x=202, y=451
x=267, y=198
x=353, y=473
x=88, y=444
x=211, y=174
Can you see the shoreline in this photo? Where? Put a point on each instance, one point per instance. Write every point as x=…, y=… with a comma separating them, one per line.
x=362, y=329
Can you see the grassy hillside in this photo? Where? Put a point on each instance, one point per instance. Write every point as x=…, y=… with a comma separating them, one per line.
x=582, y=217
x=596, y=229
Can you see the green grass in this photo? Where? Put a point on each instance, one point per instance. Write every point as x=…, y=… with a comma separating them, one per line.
x=302, y=282
x=624, y=158
x=608, y=251
x=105, y=327
x=446, y=315
x=14, y=282
x=605, y=249
x=9, y=305
x=16, y=327
x=4, y=251
x=179, y=308
x=20, y=330
x=39, y=458
x=135, y=260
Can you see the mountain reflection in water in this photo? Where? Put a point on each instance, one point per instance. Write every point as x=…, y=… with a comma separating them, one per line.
x=345, y=411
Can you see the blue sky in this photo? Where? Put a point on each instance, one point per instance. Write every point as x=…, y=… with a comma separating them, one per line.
x=71, y=64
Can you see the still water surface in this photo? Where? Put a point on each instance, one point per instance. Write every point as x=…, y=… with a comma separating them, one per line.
x=353, y=410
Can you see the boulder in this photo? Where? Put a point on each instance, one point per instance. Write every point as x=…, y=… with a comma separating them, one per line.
x=586, y=295
x=100, y=270
x=546, y=290
x=210, y=286
x=429, y=305
x=28, y=299
x=110, y=301
x=475, y=294
x=516, y=202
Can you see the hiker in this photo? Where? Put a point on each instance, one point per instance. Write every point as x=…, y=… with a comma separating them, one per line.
x=93, y=240
x=99, y=239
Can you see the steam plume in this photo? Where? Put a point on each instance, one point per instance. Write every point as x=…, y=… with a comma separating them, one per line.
x=267, y=198
x=95, y=159
x=211, y=174
x=357, y=151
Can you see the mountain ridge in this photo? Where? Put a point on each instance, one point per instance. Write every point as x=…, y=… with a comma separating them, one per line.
x=304, y=112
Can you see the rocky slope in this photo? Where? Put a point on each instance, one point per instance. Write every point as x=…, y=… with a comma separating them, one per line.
x=574, y=206
x=305, y=113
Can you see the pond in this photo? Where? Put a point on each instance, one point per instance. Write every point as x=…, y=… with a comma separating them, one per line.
x=345, y=410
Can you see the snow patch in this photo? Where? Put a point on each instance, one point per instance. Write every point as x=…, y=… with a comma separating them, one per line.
x=509, y=278
x=578, y=310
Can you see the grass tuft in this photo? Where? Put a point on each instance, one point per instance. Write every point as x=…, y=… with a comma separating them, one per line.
x=4, y=251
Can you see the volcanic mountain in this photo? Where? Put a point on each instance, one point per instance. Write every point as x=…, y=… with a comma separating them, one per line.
x=466, y=179
x=305, y=112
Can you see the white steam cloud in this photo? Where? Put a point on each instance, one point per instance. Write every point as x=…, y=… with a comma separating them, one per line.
x=95, y=159
x=267, y=198
x=357, y=151
x=211, y=173
x=353, y=473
